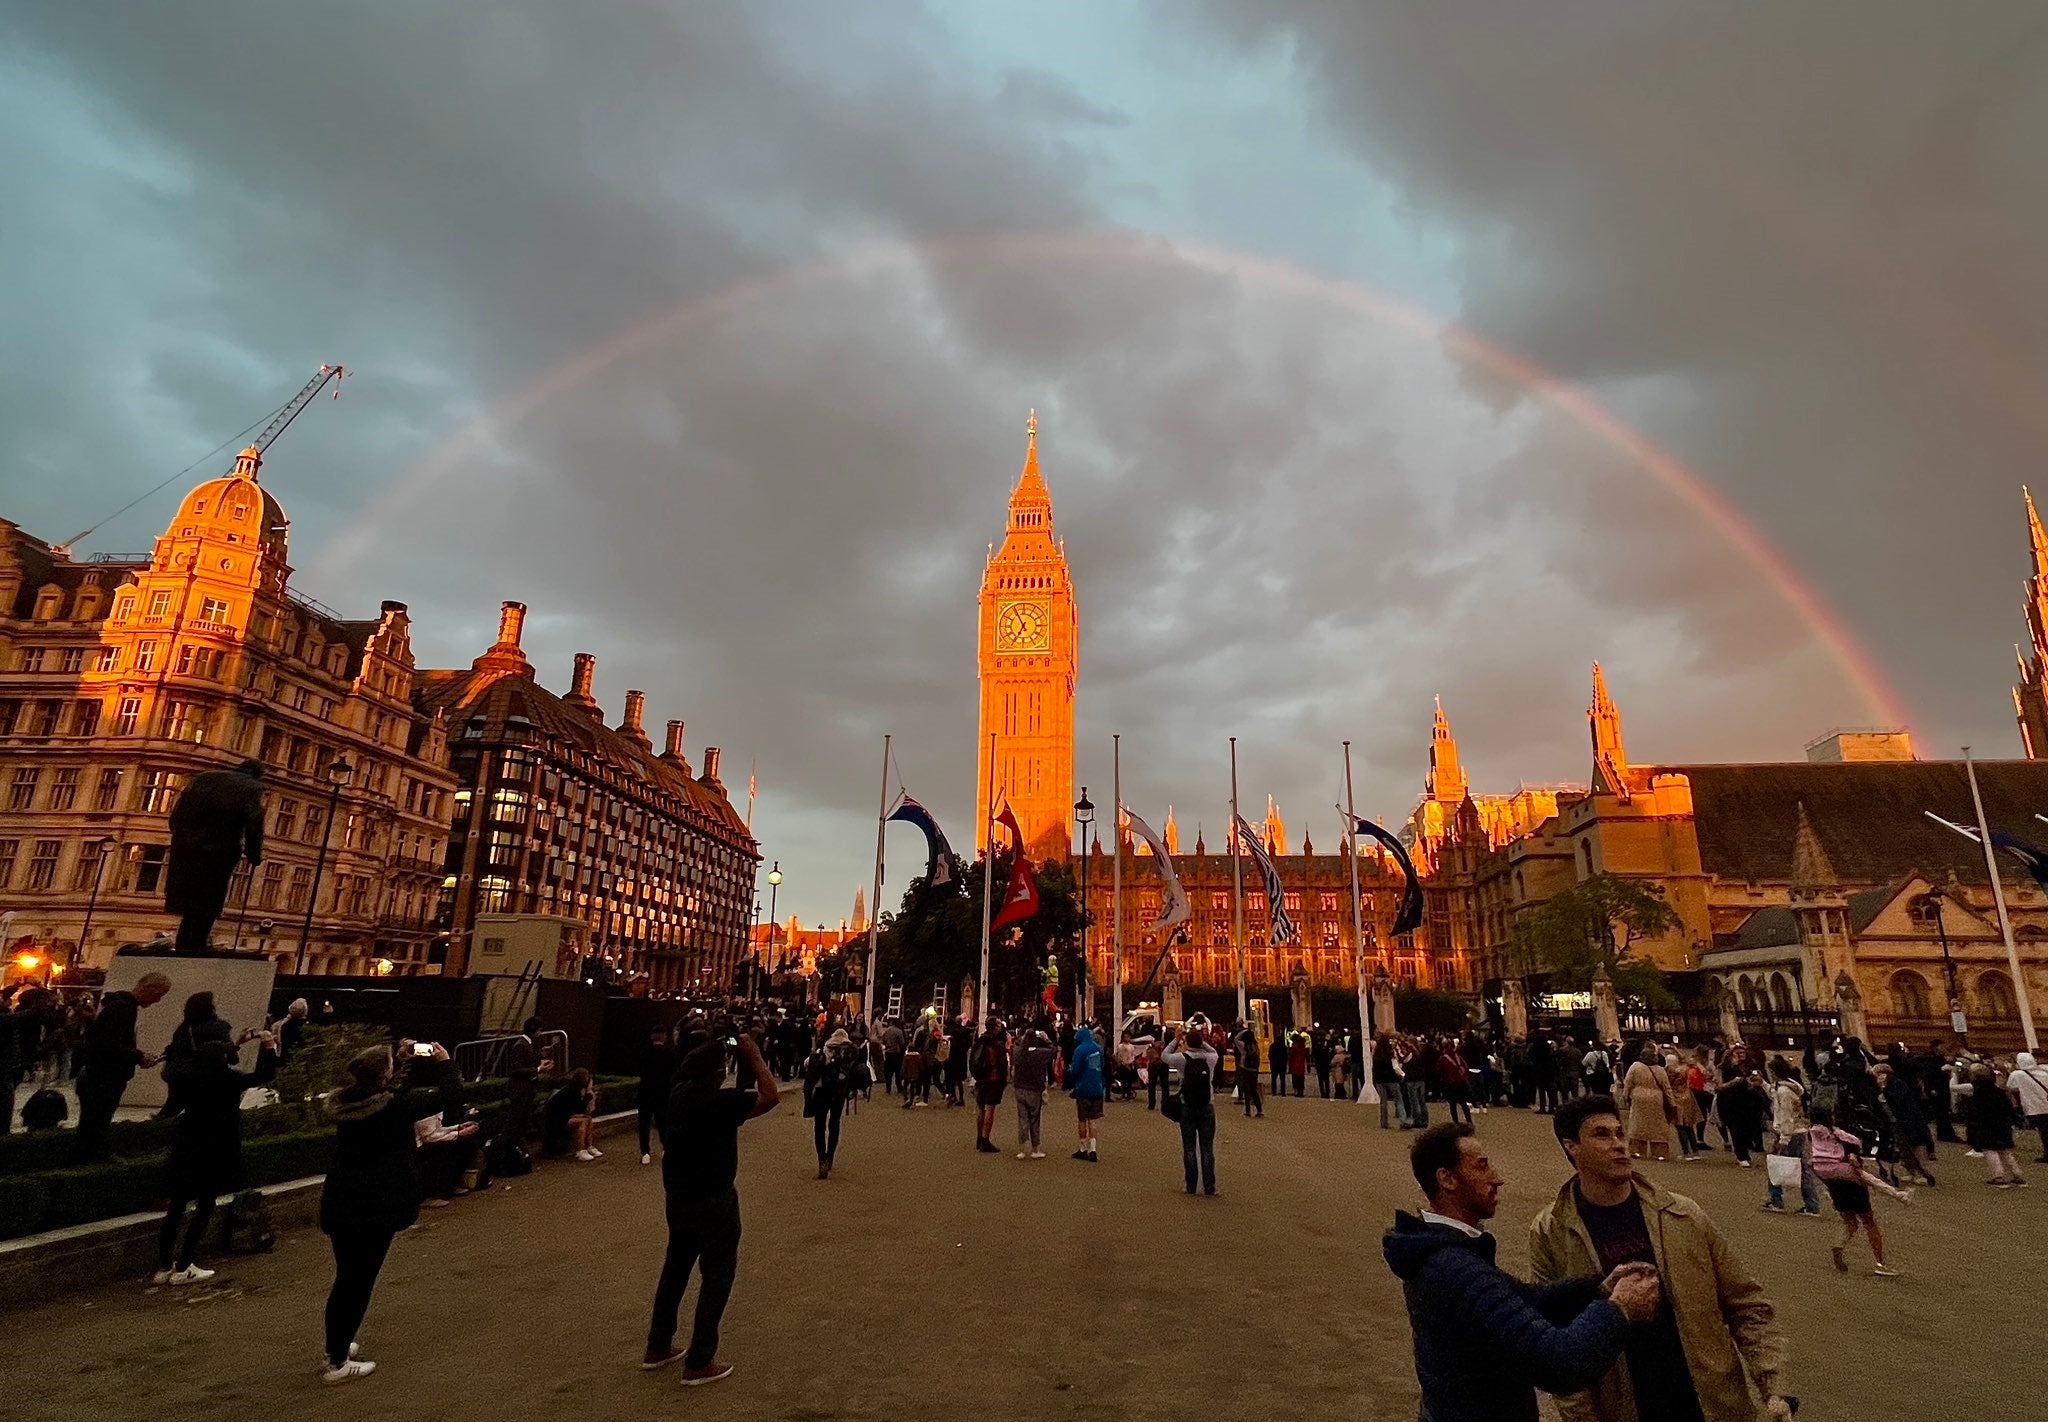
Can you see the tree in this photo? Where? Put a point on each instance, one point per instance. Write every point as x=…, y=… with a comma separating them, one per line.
x=935, y=935
x=1420, y=1009
x=1597, y=922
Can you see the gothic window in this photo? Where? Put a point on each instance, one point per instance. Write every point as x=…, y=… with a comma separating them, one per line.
x=1781, y=993
x=1329, y=903
x=1909, y=996
x=1994, y=996
x=1922, y=910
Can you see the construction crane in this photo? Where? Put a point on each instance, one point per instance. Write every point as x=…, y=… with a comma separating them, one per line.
x=278, y=424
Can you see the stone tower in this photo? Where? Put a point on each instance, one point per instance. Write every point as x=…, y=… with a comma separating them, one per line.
x=1028, y=649
x=2030, y=697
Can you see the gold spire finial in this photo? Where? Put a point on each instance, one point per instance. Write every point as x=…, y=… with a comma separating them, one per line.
x=1031, y=425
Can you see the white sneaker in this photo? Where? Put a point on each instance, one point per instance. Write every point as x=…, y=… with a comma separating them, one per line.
x=1023, y=1155
x=1038, y=1155
x=586, y=1155
x=348, y=1372
x=1973, y=1155
x=191, y=1274
x=596, y=1154
x=161, y=1276
x=647, y=1160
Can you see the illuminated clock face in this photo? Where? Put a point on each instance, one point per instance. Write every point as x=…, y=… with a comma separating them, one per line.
x=1023, y=627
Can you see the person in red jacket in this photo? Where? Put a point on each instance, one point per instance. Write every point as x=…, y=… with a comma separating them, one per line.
x=1297, y=1060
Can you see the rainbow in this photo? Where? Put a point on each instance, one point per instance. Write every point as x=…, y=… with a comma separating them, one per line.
x=886, y=257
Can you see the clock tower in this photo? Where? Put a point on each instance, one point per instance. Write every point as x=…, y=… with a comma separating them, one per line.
x=1029, y=647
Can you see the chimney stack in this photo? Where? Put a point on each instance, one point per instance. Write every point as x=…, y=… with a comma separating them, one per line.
x=630, y=728
x=710, y=775
x=579, y=686
x=674, y=750
x=504, y=654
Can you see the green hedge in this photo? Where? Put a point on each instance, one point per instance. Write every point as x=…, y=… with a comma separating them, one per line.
x=276, y=1147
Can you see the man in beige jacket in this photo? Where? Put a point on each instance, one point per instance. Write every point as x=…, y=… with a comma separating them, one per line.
x=1716, y=1337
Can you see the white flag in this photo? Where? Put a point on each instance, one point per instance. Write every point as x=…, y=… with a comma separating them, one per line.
x=1177, y=910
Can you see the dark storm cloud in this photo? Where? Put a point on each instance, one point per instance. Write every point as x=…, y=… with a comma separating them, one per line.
x=1290, y=520
x=1817, y=219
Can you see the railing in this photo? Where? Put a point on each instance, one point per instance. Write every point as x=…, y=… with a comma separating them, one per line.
x=488, y=1056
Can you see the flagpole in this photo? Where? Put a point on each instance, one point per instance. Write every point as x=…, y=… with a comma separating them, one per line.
x=2012, y=952
x=1236, y=890
x=1116, y=895
x=867, y=998
x=988, y=871
x=1369, y=1096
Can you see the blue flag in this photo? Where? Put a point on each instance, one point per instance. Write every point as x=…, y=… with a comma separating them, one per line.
x=1409, y=917
x=1281, y=928
x=938, y=867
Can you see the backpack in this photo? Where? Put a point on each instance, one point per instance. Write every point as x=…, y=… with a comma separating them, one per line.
x=249, y=1227
x=510, y=1158
x=46, y=1110
x=944, y=1047
x=1196, y=1088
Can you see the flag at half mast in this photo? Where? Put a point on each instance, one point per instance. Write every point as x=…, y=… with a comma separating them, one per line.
x=938, y=854
x=1020, y=898
x=1177, y=910
x=1281, y=928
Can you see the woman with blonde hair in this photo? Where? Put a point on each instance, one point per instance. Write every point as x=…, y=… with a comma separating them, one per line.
x=1646, y=1103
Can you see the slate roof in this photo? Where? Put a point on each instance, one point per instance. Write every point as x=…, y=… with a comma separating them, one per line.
x=503, y=700
x=1870, y=816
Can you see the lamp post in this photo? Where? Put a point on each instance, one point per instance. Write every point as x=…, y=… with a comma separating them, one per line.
x=99, y=869
x=338, y=771
x=1958, y=1023
x=1084, y=816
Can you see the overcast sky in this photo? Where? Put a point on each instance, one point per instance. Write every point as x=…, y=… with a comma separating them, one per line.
x=709, y=330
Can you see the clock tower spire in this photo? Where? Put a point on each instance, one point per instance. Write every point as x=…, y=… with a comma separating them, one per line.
x=1028, y=650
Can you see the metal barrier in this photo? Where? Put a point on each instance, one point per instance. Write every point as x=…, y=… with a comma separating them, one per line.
x=488, y=1056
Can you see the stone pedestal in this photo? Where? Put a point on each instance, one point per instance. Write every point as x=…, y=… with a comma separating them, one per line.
x=1606, y=1006
x=240, y=984
x=1382, y=1001
x=1514, y=1010
x=1169, y=994
x=1849, y=1007
x=1301, y=999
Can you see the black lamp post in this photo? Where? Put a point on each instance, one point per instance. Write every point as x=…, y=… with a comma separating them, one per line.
x=338, y=771
x=1935, y=899
x=99, y=869
x=1084, y=816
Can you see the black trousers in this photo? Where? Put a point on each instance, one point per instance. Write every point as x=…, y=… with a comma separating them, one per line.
x=650, y=1114
x=703, y=1234
x=1249, y=1097
x=358, y=1257
x=825, y=1129
x=169, y=1253
x=97, y=1102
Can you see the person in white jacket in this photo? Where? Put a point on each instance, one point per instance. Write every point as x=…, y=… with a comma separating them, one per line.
x=2028, y=1083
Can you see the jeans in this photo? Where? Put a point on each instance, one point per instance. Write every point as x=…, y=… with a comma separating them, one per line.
x=2040, y=1125
x=169, y=1253
x=1249, y=1095
x=703, y=1234
x=825, y=1128
x=1416, y=1096
x=357, y=1260
x=1198, y=1143
x=1390, y=1095
x=96, y=1105
x=1031, y=1113
x=1809, y=1190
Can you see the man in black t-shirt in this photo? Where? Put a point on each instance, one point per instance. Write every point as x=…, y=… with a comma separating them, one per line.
x=698, y=1170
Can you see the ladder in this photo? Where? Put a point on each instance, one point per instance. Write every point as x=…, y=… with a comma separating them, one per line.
x=896, y=1001
x=939, y=1000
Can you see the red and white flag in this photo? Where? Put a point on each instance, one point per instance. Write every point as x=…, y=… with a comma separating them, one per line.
x=1020, y=899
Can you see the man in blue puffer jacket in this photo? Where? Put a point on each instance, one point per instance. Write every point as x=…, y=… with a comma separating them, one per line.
x=1484, y=1340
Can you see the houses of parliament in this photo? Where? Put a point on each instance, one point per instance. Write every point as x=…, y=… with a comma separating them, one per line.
x=1817, y=881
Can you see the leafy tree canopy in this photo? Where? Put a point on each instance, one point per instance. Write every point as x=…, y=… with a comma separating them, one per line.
x=935, y=935
x=1597, y=922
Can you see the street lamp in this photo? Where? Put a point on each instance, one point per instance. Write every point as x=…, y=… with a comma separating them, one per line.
x=338, y=771
x=1084, y=816
x=100, y=848
x=1956, y=1021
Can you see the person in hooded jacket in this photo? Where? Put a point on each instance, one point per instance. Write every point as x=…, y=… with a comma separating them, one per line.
x=828, y=1079
x=1085, y=1084
x=372, y=1192
x=1484, y=1340
x=205, y=1159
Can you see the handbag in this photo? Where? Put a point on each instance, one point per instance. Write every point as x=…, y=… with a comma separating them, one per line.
x=1170, y=1106
x=1784, y=1170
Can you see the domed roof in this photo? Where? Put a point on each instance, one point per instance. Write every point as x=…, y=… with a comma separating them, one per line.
x=236, y=503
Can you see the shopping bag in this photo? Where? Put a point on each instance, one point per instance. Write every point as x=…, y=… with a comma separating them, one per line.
x=1784, y=1170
